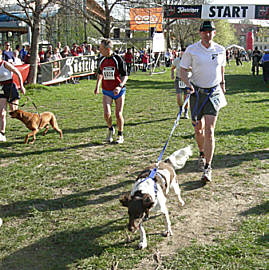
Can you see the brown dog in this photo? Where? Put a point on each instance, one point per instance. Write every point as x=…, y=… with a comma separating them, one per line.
x=36, y=122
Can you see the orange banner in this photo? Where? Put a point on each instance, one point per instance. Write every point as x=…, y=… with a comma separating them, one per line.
x=142, y=19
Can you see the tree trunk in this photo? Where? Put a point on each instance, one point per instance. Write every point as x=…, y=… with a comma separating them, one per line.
x=107, y=26
x=32, y=77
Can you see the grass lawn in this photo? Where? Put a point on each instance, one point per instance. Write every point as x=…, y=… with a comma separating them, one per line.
x=59, y=198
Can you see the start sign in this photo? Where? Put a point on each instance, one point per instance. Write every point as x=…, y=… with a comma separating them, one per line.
x=228, y=11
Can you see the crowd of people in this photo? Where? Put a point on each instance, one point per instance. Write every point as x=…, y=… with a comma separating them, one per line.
x=257, y=57
x=21, y=54
x=136, y=59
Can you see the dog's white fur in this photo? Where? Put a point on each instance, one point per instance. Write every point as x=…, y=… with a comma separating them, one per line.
x=148, y=186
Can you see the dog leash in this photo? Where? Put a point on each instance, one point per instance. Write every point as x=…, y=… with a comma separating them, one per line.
x=173, y=129
x=28, y=99
x=154, y=171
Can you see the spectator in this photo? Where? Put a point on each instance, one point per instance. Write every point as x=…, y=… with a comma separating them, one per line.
x=94, y=48
x=128, y=57
x=56, y=55
x=7, y=54
x=168, y=57
x=66, y=52
x=74, y=49
x=48, y=53
x=17, y=48
x=145, y=61
x=17, y=60
x=228, y=55
x=89, y=50
x=42, y=55
x=59, y=46
x=23, y=52
x=80, y=50
x=238, y=58
x=256, y=57
x=28, y=55
x=265, y=66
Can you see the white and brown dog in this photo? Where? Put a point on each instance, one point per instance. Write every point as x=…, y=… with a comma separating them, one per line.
x=148, y=193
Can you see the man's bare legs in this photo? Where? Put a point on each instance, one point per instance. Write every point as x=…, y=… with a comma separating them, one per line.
x=3, y=113
x=107, y=101
x=119, y=112
x=119, y=104
x=180, y=104
x=209, y=141
x=204, y=135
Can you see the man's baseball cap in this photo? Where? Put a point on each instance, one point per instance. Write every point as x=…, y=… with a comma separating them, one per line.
x=207, y=26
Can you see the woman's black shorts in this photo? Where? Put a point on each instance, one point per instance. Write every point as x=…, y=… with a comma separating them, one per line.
x=9, y=91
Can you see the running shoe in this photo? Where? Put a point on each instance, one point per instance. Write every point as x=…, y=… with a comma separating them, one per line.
x=120, y=139
x=2, y=138
x=186, y=116
x=109, y=136
x=207, y=175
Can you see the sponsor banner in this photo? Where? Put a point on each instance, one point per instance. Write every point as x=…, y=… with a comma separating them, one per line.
x=24, y=70
x=228, y=12
x=262, y=12
x=64, y=69
x=142, y=19
x=182, y=11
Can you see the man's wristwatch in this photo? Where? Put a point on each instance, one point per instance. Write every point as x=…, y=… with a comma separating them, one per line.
x=121, y=85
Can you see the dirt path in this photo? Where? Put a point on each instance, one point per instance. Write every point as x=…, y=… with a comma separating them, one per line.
x=210, y=211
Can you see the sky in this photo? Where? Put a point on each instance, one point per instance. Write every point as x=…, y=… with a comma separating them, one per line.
x=240, y=2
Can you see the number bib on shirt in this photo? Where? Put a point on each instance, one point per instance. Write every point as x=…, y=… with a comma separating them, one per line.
x=109, y=73
x=181, y=84
x=218, y=100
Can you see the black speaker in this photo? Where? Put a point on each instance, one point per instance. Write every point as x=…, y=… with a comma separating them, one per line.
x=128, y=33
x=116, y=33
x=152, y=31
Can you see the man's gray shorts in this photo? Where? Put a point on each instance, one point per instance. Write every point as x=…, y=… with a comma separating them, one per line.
x=179, y=90
x=207, y=109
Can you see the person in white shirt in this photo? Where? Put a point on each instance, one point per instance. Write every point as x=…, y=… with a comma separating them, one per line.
x=180, y=86
x=207, y=87
x=8, y=93
x=56, y=55
x=17, y=61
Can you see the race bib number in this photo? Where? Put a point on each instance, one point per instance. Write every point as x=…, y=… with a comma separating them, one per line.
x=181, y=84
x=109, y=73
x=218, y=100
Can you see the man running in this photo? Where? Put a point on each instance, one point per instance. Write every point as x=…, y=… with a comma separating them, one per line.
x=113, y=75
x=207, y=85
